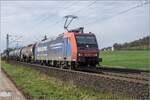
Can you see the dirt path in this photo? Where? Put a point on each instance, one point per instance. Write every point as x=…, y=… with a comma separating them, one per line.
x=8, y=91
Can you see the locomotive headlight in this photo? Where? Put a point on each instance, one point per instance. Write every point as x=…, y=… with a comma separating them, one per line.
x=79, y=54
x=95, y=54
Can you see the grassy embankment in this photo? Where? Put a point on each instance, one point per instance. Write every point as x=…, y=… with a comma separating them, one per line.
x=36, y=84
x=126, y=59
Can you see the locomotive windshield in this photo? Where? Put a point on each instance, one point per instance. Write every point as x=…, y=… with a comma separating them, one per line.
x=86, y=40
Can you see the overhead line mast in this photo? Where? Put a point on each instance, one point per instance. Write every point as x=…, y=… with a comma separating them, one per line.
x=7, y=46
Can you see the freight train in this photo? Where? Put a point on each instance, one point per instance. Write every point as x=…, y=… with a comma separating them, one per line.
x=69, y=50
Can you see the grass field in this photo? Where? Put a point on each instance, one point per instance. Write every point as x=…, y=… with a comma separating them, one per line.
x=35, y=83
x=126, y=59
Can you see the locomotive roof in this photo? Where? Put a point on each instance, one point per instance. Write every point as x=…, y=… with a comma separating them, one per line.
x=60, y=35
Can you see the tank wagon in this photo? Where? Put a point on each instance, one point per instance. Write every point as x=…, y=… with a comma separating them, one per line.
x=18, y=54
x=3, y=55
x=27, y=53
x=12, y=54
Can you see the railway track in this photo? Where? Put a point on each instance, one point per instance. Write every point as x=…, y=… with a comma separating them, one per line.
x=100, y=80
x=139, y=75
x=128, y=74
x=118, y=72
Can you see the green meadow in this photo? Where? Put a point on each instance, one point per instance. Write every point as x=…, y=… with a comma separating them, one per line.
x=35, y=83
x=126, y=59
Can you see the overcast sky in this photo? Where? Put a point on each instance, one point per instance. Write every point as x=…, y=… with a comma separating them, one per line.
x=111, y=21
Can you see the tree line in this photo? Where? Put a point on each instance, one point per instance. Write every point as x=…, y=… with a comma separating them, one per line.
x=140, y=44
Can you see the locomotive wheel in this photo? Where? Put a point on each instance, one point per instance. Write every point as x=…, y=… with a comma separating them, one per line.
x=74, y=65
x=64, y=65
x=71, y=67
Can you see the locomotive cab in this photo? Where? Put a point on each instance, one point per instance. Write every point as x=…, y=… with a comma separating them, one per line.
x=87, y=49
x=84, y=47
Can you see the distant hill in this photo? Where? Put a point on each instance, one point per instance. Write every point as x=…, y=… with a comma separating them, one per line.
x=140, y=44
